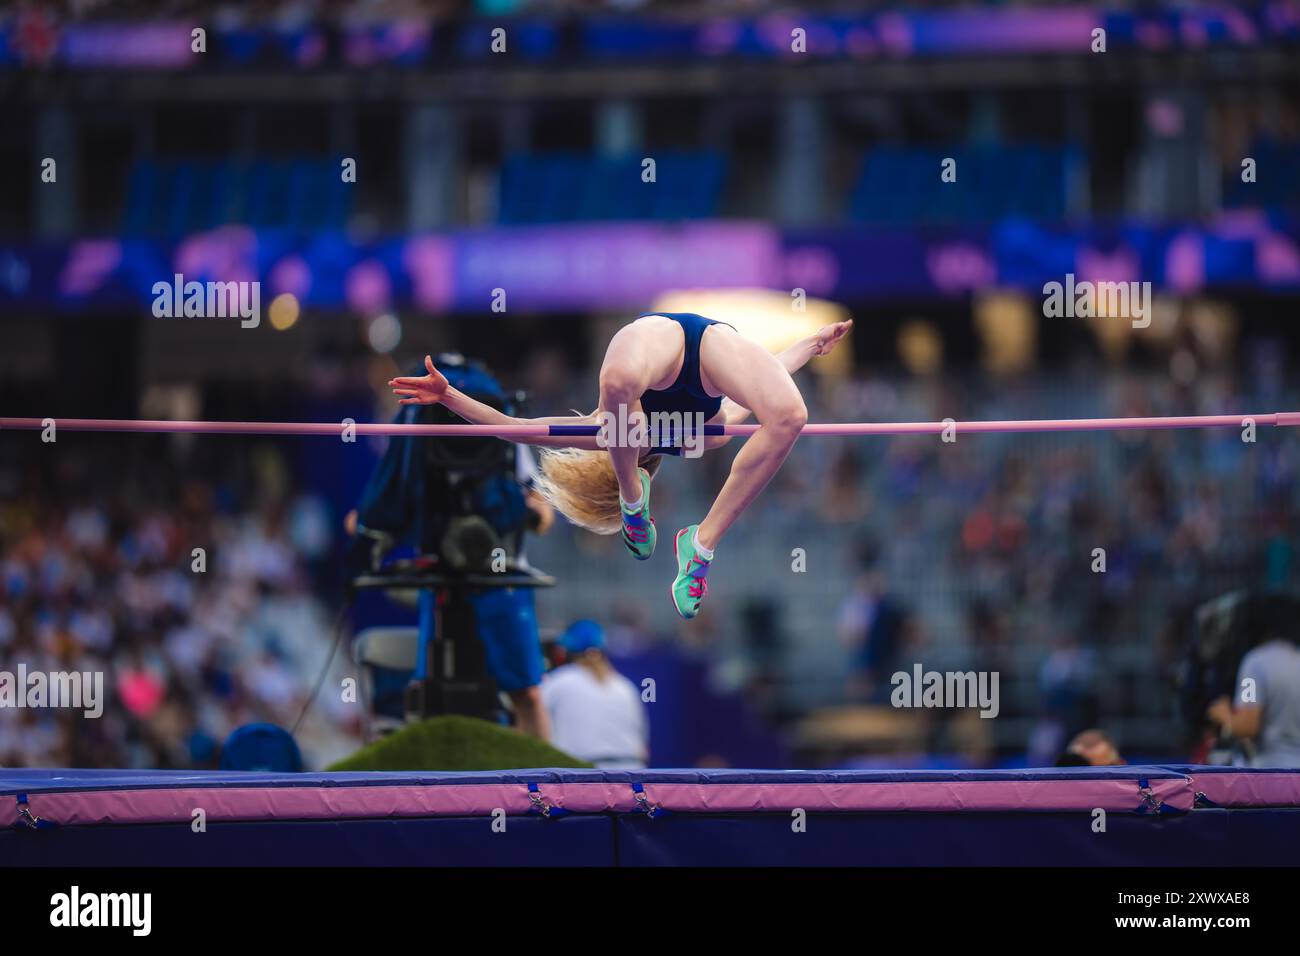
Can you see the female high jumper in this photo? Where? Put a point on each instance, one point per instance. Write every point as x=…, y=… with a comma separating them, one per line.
x=665, y=363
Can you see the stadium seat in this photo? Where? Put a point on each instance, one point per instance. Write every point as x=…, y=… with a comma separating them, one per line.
x=568, y=187
x=901, y=187
x=1277, y=170
x=179, y=197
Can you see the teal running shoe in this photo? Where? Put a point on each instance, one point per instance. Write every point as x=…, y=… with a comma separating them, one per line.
x=690, y=585
x=639, y=528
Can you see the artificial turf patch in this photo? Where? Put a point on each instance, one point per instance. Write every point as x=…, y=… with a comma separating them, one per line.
x=457, y=743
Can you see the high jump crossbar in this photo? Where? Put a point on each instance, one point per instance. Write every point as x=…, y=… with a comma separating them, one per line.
x=519, y=432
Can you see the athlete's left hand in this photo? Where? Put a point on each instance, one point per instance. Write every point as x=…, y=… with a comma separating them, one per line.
x=829, y=336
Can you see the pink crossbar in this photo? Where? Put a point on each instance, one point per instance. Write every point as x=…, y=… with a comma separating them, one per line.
x=337, y=429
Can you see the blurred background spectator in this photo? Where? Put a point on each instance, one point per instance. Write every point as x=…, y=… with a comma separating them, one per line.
x=596, y=712
x=1092, y=748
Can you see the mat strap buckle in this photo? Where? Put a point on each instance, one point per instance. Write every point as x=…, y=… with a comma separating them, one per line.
x=540, y=806
x=643, y=804
x=28, y=819
x=1150, y=803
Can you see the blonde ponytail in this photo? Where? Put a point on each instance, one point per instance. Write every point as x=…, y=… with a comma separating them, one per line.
x=581, y=486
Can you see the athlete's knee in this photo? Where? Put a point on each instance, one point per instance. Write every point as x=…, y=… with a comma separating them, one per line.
x=787, y=417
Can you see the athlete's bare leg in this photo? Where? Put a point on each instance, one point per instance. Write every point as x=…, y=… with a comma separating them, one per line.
x=754, y=378
x=647, y=354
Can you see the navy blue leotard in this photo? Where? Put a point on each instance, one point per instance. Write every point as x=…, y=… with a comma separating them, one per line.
x=685, y=395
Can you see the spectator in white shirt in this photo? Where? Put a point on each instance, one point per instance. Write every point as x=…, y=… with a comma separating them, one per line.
x=1266, y=708
x=596, y=713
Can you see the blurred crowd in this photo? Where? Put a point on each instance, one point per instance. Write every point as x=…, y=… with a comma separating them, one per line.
x=1066, y=562
x=192, y=593
x=204, y=583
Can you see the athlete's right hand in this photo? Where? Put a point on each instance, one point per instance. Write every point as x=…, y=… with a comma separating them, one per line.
x=424, y=390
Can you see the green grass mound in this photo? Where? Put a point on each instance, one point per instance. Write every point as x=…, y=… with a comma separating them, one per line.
x=457, y=743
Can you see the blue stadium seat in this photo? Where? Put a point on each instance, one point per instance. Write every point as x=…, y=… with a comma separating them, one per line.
x=901, y=186
x=179, y=197
x=1277, y=170
x=565, y=187
x=142, y=191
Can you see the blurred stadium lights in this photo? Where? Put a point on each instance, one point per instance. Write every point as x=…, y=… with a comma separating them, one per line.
x=920, y=347
x=284, y=311
x=171, y=403
x=1008, y=327
x=1115, y=338
x=768, y=317
x=1214, y=326
x=384, y=333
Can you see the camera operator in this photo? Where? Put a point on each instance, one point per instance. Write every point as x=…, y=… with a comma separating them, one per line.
x=461, y=497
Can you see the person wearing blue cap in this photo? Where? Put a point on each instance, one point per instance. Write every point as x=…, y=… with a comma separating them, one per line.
x=596, y=713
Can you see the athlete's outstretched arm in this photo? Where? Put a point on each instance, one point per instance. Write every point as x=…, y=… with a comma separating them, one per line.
x=821, y=342
x=434, y=389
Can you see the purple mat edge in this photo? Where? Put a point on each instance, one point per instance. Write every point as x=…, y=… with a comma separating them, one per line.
x=124, y=797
